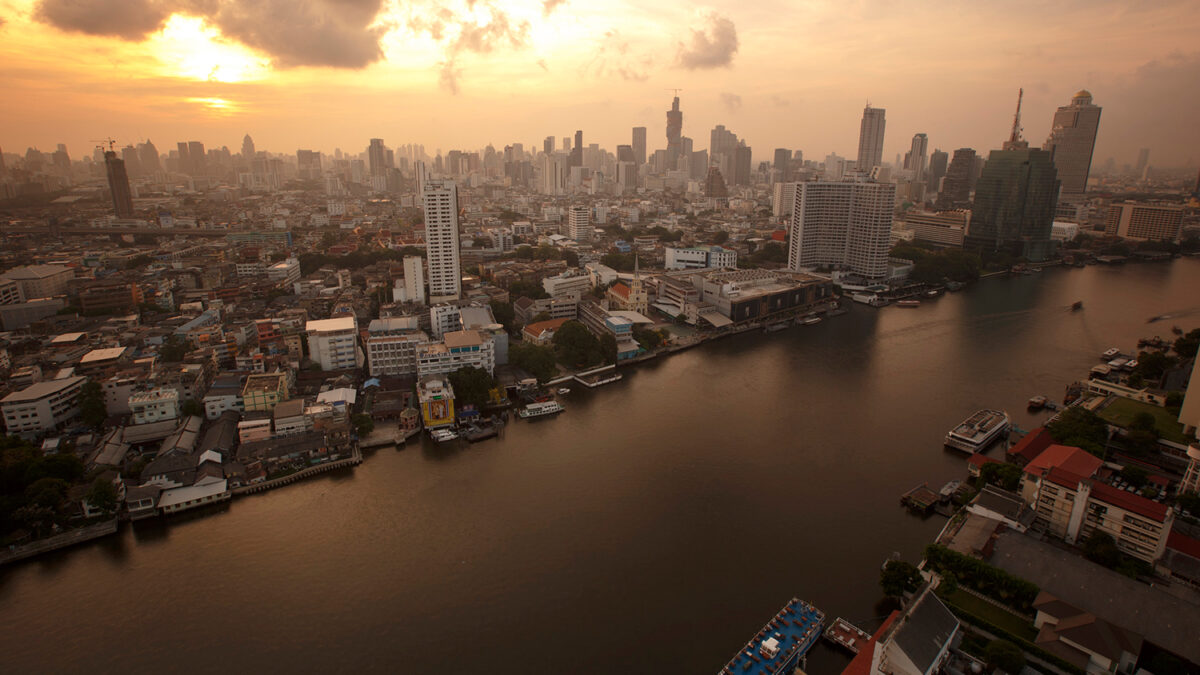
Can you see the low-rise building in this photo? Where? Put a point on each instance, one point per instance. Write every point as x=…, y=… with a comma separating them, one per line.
x=436, y=399
x=392, y=346
x=542, y=332
x=1144, y=222
x=699, y=258
x=263, y=390
x=458, y=349
x=155, y=405
x=42, y=406
x=333, y=343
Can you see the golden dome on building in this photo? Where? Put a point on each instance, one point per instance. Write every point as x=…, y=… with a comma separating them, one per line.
x=1082, y=93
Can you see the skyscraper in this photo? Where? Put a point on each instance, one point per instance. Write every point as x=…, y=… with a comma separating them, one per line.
x=845, y=224
x=915, y=159
x=196, y=158
x=870, y=139
x=1143, y=161
x=577, y=150
x=579, y=226
x=937, y=168
x=377, y=157
x=441, y=240
x=639, y=145
x=185, y=164
x=1071, y=142
x=741, y=164
x=247, y=148
x=1014, y=203
x=118, y=185
x=782, y=164
x=129, y=155
x=548, y=145
x=674, y=131
x=956, y=188
x=148, y=154
x=625, y=153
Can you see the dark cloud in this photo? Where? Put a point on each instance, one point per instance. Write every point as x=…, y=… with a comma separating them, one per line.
x=732, y=102
x=548, y=6
x=336, y=33
x=712, y=44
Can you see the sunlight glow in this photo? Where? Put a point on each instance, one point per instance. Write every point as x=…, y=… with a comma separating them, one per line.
x=216, y=105
x=189, y=48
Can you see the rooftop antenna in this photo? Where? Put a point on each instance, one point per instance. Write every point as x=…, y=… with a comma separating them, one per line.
x=1014, y=139
x=675, y=90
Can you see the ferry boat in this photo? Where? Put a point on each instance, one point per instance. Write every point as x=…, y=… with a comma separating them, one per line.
x=978, y=431
x=540, y=409
x=1037, y=402
x=908, y=303
x=442, y=435
x=810, y=321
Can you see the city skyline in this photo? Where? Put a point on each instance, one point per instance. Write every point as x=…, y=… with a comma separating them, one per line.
x=555, y=67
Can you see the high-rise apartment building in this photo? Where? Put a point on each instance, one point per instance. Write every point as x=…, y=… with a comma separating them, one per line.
x=377, y=157
x=577, y=150
x=870, y=139
x=197, y=160
x=783, y=199
x=674, y=131
x=414, y=278
x=579, y=225
x=938, y=161
x=148, y=155
x=639, y=145
x=441, y=240
x=845, y=224
x=548, y=145
x=118, y=185
x=741, y=165
x=247, y=147
x=1071, y=142
x=625, y=153
x=1014, y=203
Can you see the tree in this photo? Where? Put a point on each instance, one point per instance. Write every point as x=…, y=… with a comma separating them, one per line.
x=571, y=257
x=173, y=349
x=1005, y=655
x=1101, y=548
x=1152, y=365
x=608, y=348
x=720, y=237
x=899, y=577
x=504, y=313
x=1134, y=475
x=1186, y=346
x=471, y=386
x=771, y=252
x=1080, y=428
x=137, y=262
x=102, y=495
x=1003, y=475
x=648, y=339
x=524, y=253
x=622, y=262
x=46, y=492
x=363, y=424
x=527, y=289
x=534, y=359
x=92, y=409
x=576, y=346
x=192, y=407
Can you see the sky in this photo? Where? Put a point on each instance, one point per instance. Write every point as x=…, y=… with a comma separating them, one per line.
x=326, y=74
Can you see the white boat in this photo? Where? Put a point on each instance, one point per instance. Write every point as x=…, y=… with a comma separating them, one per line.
x=562, y=391
x=978, y=431
x=541, y=408
x=1111, y=354
x=811, y=321
x=443, y=435
x=868, y=299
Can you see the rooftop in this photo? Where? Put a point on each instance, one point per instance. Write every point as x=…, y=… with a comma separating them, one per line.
x=105, y=354
x=40, y=390
x=330, y=325
x=462, y=338
x=1067, y=458
x=35, y=272
x=785, y=637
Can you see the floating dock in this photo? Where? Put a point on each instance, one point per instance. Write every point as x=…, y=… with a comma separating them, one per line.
x=920, y=498
x=846, y=635
x=780, y=645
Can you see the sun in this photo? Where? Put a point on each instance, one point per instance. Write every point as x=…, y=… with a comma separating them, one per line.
x=189, y=48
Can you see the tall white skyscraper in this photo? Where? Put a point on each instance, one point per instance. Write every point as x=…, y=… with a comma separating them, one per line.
x=870, y=139
x=845, y=224
x=441, y=240
x=422, y=174
x=579, y=225
x=553, y=175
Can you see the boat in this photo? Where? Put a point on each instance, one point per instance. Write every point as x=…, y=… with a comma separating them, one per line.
x=978, y=431
x=1037, y=402
x=908, y=303
x=953, y=286
x=868, y=299
x=1074, y=391
x=1077, y=305
x=780, y=645
x=1110, y=354
x=838, y=311
x=932, y=293
x=541, y=409
x=772, y=327
x=442, y=435
x=811, y=321
x=563, y=391
x=1131, y=364
x=479, y=432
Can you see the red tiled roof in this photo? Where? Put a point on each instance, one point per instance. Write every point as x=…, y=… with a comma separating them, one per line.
x=861, y=665
x=779, y=235
x=1033, y=444
x=1129, y=501
x=1184, y=544
x=536, y=329
x=980, y=460
x=1067, y=458
x=621, y=290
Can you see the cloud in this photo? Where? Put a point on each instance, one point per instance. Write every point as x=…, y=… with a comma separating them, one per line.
x=448, y=75
x=542, y=63
x=548, y=6
x=712, y=44
x=337, y=33
x=732, y=101
x=616, y=58
x=778, y=101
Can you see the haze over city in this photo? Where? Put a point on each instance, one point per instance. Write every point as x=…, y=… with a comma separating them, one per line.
x=322, y=74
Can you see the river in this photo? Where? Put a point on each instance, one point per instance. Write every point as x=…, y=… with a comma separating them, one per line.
x=653, y=527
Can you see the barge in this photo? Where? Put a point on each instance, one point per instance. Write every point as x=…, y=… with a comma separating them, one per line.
x=978, y=431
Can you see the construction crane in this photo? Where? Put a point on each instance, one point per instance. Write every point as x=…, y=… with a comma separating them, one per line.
x=111, y=142
x=1014, y=139
x=674, y=90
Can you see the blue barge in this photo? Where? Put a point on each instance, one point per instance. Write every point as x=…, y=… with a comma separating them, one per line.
x=780, y=645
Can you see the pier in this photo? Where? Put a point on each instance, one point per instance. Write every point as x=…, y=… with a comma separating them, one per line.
x=353, y=460
x=71, y=537
x=782, y=643
x=846, y=635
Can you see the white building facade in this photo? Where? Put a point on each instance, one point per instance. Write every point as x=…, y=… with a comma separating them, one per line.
x=845, y=224
x=333, y=343
x=441, y=240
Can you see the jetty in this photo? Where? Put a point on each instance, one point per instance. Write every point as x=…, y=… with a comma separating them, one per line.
x=846, y=635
